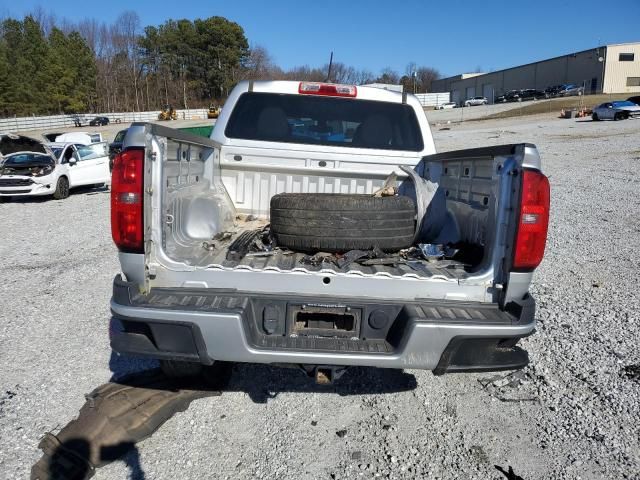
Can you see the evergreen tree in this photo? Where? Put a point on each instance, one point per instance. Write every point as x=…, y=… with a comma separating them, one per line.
x=83, y=65
x=33, y=69
x=61, y=75
x=13, y=95
x=4, y=80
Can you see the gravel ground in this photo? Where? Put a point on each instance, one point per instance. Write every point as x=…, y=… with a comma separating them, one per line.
x=573, y=413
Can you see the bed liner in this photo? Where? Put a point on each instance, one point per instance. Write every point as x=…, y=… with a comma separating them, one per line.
x=287, y=261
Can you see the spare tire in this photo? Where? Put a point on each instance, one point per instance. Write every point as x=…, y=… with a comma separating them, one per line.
x=330, y=222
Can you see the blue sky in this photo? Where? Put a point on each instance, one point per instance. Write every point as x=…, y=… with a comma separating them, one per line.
x=453, y=36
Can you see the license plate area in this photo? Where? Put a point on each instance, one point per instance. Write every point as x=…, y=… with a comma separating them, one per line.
x=323, y=321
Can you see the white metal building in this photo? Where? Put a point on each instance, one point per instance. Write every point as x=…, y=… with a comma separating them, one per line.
x=607, y=69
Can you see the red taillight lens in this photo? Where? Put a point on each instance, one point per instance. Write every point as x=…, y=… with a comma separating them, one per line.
x=127, y=183
x=533, y=221
x=327, y=89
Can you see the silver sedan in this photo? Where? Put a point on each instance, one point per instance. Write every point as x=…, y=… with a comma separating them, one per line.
x=619, y=110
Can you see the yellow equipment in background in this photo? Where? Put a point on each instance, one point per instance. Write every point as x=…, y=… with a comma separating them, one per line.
x=168, y=113
x=214, y=111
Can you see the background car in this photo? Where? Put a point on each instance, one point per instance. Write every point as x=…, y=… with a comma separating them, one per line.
x=85, y=138
x=51, y=136
x=99, y=122
x=472, y=102
x=553, y=91
x=570, y=89
x=618, y=110
x=635, y=100
x=116, y=146
x=442, y=106
x=531, y=94
x=510, y=96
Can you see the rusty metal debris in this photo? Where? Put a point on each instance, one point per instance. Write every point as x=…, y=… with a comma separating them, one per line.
x=269, y=253
x=114, y=418
x=392, y=260
x=318, y=259
x=374, y=256
x=242, y=245
x=352, y=256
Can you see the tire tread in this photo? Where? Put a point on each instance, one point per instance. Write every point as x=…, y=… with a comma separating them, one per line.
x=342, y=222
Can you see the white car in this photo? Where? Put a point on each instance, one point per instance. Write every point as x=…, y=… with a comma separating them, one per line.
x=472, y=102
x=446, y=105
x=619, y=110
x=85, y=138
x=30, y=168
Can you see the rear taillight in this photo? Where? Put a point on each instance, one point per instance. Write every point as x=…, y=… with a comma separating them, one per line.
x=127, y=183
x=327, y=89
x=533, y=221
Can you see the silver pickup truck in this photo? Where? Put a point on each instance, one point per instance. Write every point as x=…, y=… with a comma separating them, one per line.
x=205, y=280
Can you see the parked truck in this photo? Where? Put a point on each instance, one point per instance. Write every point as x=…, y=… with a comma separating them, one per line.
x=221, y=240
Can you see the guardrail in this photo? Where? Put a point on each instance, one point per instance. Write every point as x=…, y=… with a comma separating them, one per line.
x=17, y=124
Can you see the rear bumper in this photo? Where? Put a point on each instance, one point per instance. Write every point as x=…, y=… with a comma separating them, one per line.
x=204, y=326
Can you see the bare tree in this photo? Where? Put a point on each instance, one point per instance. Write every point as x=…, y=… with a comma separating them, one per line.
x=47, y=20
x=89, y=29
x=409, y=80
x=410, y=69
x=388, y=75
x=364, y=76
x=341, y=73
x=306, y=73
x=259, y=65
x=127, y=30
x=425, y=77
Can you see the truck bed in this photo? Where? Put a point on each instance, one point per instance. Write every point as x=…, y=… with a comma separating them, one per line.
x=288, y=261
x=291, y=262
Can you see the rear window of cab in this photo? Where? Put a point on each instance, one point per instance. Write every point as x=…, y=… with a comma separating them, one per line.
x=325, y=120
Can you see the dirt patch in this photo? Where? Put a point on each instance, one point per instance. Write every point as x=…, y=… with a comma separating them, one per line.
x=583, y=136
